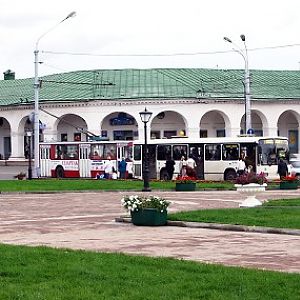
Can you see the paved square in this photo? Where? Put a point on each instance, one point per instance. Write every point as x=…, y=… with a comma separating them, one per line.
x=87, y=221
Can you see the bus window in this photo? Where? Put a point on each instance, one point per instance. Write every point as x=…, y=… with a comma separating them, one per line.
x=213, y=152
x=137, y=152
x=268, y=152
x=230, y=152
x=179, y=151
x=163, y=152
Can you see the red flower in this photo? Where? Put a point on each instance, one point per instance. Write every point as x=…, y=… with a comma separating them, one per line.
x=289, y=178
x=185, y=179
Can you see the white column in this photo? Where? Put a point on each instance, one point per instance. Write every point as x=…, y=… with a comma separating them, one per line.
x=233, y=131
x=271, y=131
x=17, y=146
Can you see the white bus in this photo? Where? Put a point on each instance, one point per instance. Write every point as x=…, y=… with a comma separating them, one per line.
x=216, y=158
x=82, y=159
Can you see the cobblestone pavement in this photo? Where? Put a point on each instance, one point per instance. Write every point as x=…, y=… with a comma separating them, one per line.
x=87, y=221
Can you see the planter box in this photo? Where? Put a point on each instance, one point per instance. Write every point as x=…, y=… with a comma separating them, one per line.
x=288, y=185
x=149, y=217
x=185, y=186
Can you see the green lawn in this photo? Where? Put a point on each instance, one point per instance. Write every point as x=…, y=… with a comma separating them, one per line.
x=276, y=213
x=43, y=273
x=92, y=184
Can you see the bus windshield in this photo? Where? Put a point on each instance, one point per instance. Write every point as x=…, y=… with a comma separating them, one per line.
x=271, y=150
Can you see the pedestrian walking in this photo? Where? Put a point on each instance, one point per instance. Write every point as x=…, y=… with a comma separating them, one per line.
x=122, y=168
x=282, y=168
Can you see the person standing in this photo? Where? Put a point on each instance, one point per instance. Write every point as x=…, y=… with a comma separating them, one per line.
x=241, y=167
x=170, y=163
x=182, y=166
x=122, y=168
x=108, y=169
x=191, y=167
x=282, y=168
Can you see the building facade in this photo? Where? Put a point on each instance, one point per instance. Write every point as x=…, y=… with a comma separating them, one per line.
x=106, y=103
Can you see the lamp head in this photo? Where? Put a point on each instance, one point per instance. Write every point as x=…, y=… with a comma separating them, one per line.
x=71, y=15
x=227, y=39
x=145, y=115
x=243, y=38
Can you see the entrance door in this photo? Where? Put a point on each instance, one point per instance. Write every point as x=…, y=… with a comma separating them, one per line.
x=7, y=147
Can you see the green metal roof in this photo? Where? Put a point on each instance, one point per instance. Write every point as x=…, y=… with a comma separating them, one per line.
x=152, y=83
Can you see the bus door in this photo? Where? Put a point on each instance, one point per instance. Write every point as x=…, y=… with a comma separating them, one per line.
x=212, y=162
x=84, y=160
x=197, y=153
x=152, y=161
x=45, y=161
x=248, y=153
x=179, y=151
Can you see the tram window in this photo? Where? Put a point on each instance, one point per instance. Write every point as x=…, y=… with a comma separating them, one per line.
x=109, y=152
x=230, y=152
x=179, y=151
x=66, y=152
x=163, y=152
x=96, y=151
x=213, y=152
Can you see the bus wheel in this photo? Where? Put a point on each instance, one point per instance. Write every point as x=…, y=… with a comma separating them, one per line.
x=164, y=174
x=59, y=172
x=230, y=175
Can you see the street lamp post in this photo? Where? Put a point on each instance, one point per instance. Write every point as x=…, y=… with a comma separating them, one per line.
x=36, y=98
x=244, y=54
x=145, y=117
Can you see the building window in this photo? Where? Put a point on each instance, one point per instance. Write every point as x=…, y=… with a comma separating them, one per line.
x=203, y=133
x=220, y=132
x=155, y=134
x=64, y=137
x=124, y=135
x=77, y=137
x=169, y=133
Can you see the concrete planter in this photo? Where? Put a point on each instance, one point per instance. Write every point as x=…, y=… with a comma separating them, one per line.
x=288, y=185
x=149, y=217
x=250, y=190
x=191, y=186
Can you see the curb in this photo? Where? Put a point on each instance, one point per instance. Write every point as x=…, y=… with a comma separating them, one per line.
x=228, y=227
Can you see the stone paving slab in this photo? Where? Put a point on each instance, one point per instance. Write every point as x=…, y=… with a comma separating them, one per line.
x=86, y=221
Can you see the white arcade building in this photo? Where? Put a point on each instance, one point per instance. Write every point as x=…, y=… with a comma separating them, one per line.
x=106, y=103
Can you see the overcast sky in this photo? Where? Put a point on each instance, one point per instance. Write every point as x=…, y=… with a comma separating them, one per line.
x=162, y=27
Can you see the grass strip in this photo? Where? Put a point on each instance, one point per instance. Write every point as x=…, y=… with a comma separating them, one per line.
x=280, y=216
x=92, y=184
x=45, y=273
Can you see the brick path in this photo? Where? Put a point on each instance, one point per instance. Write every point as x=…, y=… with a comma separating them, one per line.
x=87, y=221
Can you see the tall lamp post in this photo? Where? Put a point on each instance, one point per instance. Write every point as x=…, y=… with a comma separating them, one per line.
x=36, y=98
x=145, y=117
x=244, y=54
